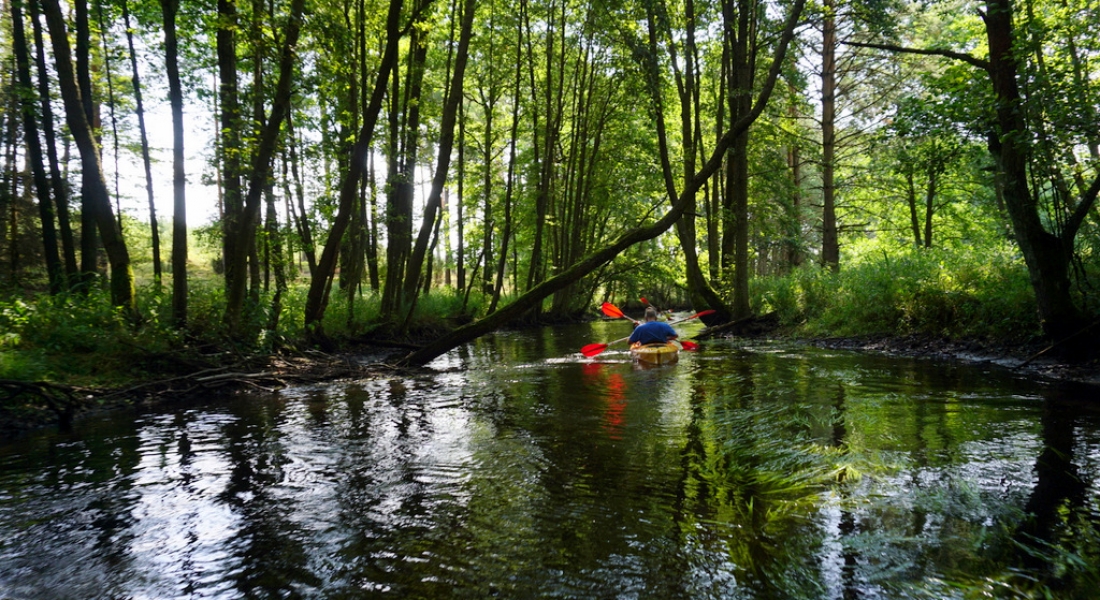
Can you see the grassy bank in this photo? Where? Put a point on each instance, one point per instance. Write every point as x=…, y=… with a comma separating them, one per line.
x=955, y=295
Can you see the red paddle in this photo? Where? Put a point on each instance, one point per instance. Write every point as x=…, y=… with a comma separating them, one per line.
x=613, y=311
x=593, y=349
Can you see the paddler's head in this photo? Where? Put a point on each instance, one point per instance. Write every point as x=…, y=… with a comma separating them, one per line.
x=650, y=313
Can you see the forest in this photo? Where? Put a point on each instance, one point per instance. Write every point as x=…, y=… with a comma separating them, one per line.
x=426, y=172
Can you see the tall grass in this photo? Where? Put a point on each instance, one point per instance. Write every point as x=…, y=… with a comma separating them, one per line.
x=80, y=339
x=959, y=294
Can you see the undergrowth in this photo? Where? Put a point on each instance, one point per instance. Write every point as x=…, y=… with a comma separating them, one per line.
x=957, y=294
x=81, y=340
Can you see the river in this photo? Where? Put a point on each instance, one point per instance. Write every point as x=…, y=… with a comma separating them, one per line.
x=515, y=468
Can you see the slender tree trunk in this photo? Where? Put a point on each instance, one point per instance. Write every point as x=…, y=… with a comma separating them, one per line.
x=54, y=269
x=738, y=182
x=262, y=159
x=830, y=243
x=235, y=243
x=60, y=190
x=169, y=9
x=911, y=200
x=443, y=161
x=460, y=234
x=510, y=190
x=111, y=105
x=399, y=214
x=122, y=277
x=929, y=206
x=145, y=158
x=89, y=237
x=320, y=284
x=305, y=230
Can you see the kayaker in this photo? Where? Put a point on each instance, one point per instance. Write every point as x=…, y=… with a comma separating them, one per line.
x=653, y=331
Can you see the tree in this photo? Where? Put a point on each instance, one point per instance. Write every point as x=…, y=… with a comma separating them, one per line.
x=34, y=150
x=97, y=198
x=608, y=252
x=1048, y=253
x=242, y=216
x=321, y=282
x=169, y=10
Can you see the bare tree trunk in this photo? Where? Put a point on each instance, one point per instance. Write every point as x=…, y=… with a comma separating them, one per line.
x=320, y=284
x=169, y=8
x=830, y=243
x=54, y=269
x=443, y=161
x=60, y=189
x=145, y=159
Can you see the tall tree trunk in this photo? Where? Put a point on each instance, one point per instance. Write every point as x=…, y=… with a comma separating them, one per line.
x=321, y=283
x=911, y=200
x=510, y=189
x=443, y=161
x=399, y=214
x=122, y=277
x=169, y=9
x=830, y=242
x=301, y=223
x=89, y=237
x=54, y=269
x=108, y=78
x=235, y=243
x=738, y=181
x=929, y=206
x=1047, y=255
x=262, y=159
x=60, y=190
x=145, y=159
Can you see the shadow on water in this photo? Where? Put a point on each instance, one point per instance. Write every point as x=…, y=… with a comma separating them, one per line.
x=517, y=468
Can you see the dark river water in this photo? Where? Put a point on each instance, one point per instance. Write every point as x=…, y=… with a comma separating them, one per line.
x=516, y=468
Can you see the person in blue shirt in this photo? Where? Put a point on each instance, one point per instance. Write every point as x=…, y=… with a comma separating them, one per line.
x=653, y=331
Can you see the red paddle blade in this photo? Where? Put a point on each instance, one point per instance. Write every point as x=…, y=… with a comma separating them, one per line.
x=611, y=310
x=689, y=346
x=593, y=349
x=644, y=301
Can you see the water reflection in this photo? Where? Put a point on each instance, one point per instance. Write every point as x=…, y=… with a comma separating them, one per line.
x=743, y=472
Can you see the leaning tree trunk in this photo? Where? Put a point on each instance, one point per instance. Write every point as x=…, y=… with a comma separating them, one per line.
x=443, y=162
x=34, y=150
x=602, y=256
x=60, y=191
x=122, y=277
x=321, y=282
x=248, y=212
x=1047, y=255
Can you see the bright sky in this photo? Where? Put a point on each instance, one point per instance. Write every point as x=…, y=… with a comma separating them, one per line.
x=202, y=200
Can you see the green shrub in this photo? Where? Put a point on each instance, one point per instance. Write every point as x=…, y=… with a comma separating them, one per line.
x=962, y=293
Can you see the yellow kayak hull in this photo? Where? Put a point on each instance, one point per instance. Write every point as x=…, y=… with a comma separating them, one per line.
x=655, y=354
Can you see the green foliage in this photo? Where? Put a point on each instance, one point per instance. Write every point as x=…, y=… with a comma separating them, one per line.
x=958, y=294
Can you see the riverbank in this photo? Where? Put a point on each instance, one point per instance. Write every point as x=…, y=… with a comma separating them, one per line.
x=56, y=404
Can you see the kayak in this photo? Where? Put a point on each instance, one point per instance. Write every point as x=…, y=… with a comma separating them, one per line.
x=655, y=354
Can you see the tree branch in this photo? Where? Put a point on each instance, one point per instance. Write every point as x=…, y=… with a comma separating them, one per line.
x=966, y=58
